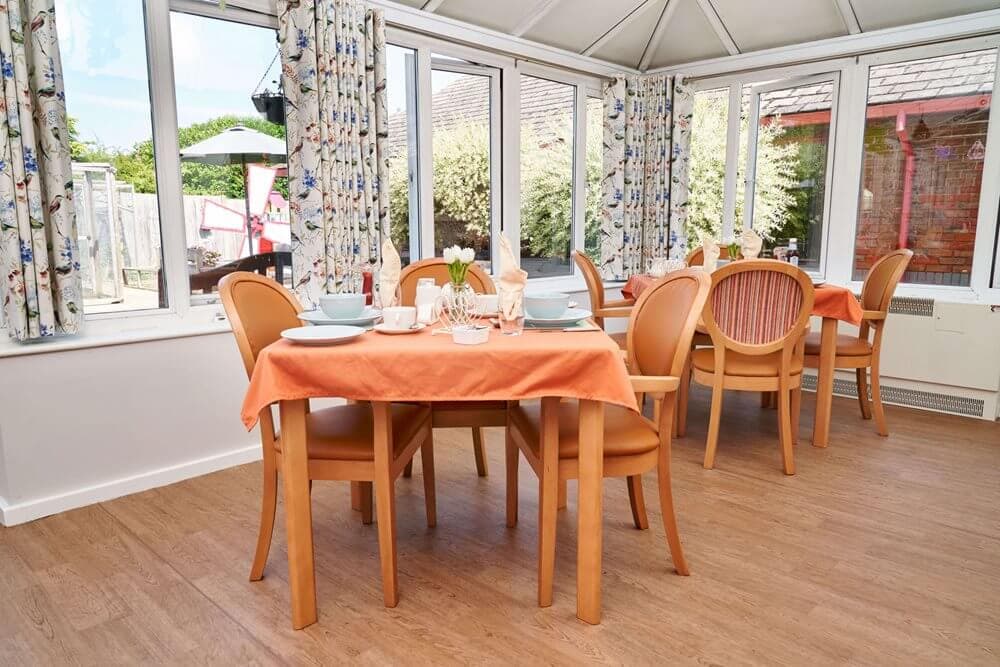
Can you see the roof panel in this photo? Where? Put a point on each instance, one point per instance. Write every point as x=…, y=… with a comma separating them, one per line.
x=627, y=45
x=875, y=14
x=763, y=25
x=688, y=37
x=576, y=24
x=502, y=15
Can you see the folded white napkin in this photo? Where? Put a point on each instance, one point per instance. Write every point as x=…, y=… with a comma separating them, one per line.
x=388, y=276
x=710, y=251
x=511, y=284
x=751, y=244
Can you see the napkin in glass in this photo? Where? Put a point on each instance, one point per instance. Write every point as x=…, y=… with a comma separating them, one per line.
x=388, y=276
x=751, y=244
x=511, y=283
x=710, y=251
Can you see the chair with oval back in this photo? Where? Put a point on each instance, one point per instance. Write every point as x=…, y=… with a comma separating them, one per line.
x=659, y=338
x=862, y=352
x=757, y=315
x=340, y=440
x=477, y=414
x=599, y=305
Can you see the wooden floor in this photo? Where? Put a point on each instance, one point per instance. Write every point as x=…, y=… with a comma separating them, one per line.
x=879, y=551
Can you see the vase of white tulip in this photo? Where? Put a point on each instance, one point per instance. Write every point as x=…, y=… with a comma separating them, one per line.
x=458, y=297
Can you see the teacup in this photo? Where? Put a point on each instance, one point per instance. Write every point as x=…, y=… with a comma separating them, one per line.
x=399, y=317
x=342, y=306
x=487, y=304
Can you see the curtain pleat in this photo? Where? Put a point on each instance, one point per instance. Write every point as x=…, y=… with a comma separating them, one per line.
x=333, y=73
x=40, y=280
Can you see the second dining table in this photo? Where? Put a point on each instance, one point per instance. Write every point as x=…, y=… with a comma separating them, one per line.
x=424, y=367
x=833, y=304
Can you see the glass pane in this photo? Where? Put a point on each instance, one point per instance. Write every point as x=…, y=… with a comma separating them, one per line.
x=401, y=73
x=103, y=51
x=245, y=178
x=709, y=123
x=461, y=151
x=547, y=111
x=595, y=167
x=793, y=140
x=925, y=140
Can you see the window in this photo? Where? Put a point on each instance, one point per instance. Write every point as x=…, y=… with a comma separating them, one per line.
x=547, y=153
x=235, y=190
x=707, y=167
x=106, y=77
x=788, y=164
x=594, y=170
x=465, y=121
x=922, y=171
x=404, y=201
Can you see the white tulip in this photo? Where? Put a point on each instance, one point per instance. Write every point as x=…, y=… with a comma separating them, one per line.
x=468, y=255
x=450, y=255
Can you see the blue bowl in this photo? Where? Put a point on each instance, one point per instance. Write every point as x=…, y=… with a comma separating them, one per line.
x=546, y=305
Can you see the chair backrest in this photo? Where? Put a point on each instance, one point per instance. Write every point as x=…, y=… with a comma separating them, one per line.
x=757, y=306
x=697, y=256
x=436, y=268
x=591, y=276
x=663, y=321
x=259, y=309
x=882, y=279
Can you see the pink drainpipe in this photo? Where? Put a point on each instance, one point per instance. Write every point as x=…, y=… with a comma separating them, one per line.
x=908, y=170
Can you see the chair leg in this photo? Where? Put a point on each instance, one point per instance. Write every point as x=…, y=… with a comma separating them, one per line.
x=513, y=457
x=356, y=496
x=667, y=502
x=563, y=494
x=785, y=428
x=427, y=470
x=680, y=420
x=637, y=501
x=365, y=500
x=714, y=418
x=765, y=399
x=878, y=410
x=866, y=408
x=548, y=499
x=796, y=413
x=477, y=445
x=408, y=470
x=268, y=503
x=385, y=505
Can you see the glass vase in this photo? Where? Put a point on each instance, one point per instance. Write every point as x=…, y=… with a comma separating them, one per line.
x=459, y=304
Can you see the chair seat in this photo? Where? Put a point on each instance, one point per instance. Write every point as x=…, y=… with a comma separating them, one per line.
x=847, y=346
x=626, y=433
x=744, y=365
x=347, y=432
x=620, y=339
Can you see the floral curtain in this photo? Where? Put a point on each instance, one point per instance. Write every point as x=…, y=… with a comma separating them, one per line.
x=333, y=74
x=647, y=135
x=39, y=265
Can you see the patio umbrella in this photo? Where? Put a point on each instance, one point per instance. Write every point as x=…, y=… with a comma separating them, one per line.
x=238, y=145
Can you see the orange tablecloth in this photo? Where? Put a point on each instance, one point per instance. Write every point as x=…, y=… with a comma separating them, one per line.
x=831, y=300
x=425, y=367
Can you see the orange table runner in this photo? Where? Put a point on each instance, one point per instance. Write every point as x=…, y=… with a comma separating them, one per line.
x=426, y=367
x=831, y=300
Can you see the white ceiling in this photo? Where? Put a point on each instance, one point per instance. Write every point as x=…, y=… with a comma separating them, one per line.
x=647, y=34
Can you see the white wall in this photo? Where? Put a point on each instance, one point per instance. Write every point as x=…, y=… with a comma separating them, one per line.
x=86, y=425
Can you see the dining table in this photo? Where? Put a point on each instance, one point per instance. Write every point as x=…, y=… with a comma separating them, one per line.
x=425, y=367
x=833, y=304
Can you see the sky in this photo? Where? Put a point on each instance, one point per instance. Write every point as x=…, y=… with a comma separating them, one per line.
x=217, y=66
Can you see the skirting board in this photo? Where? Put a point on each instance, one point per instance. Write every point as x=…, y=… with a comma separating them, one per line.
x=36, y=508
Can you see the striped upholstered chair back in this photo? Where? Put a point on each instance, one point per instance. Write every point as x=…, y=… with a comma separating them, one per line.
x=757, y=306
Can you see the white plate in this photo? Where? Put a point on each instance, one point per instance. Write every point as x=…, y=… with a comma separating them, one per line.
x=571, y=316
x=369, y=315
x=383, y=329
x=328, y=334
x=817, y=283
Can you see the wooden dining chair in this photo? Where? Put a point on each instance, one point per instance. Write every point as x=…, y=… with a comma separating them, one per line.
x=659, y=337
x=599, y=305
x=697, y=256
x=757, y=316
x=340, y=439
x=863, y=351
x=477, y=414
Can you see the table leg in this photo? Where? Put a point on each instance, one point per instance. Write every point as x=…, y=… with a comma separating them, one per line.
x=824, y=382
x=298, y=513
x=589, y=512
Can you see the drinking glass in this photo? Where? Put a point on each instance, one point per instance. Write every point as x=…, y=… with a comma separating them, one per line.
x=511, y=313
